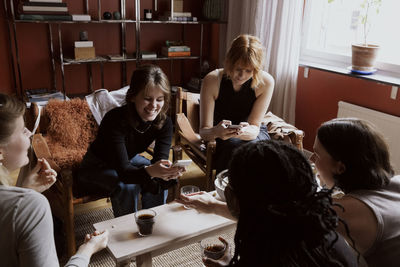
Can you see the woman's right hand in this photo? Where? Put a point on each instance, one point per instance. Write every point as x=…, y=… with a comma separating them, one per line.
x=93, y=243
x=162, y=169
x=222, y=131
x=202, y=201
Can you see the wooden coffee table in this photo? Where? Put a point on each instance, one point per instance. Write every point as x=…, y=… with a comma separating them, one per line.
x=174, y=227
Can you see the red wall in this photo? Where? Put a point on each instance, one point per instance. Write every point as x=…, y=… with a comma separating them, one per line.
x=319, y=94
x=34, y=47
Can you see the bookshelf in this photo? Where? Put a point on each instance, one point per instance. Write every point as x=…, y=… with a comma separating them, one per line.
x=56, y=49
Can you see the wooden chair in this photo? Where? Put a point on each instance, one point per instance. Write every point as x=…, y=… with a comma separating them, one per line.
x=187, y=137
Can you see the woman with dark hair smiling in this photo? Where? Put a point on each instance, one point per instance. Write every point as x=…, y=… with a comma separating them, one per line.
x=350, y=154
x=112, y=165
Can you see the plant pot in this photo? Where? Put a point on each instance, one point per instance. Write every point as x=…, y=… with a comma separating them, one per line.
x=364, y=57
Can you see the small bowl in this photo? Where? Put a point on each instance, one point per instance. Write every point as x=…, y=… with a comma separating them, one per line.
x=220, y=183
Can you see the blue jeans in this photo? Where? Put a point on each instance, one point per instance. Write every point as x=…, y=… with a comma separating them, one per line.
x=226, y=148
x=97, y=178
x=124, y=199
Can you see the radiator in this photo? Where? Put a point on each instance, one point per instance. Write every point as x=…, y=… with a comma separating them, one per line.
x=388, y=125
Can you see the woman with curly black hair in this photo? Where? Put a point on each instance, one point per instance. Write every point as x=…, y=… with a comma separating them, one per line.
x=283, y=220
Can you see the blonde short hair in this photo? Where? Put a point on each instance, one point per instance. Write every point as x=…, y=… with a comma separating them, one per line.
x=247, y=50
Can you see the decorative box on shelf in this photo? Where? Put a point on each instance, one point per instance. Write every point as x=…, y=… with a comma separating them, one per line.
x=85, y=52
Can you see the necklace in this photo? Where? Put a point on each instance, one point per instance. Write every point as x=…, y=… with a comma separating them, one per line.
x=144, y=130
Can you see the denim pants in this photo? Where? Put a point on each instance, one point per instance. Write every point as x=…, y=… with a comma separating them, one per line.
x=124, y=197
x=226, y=148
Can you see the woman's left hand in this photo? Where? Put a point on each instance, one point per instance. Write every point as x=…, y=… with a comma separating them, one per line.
x=41, y=178
x=244, y=125
x=162, y=169
x=248, y=131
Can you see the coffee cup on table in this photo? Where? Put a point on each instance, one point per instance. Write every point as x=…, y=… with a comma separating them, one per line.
x=145, y=220
x=212, y=248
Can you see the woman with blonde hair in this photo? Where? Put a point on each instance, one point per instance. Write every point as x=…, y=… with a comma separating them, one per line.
x=233, y=100
x=26, y=225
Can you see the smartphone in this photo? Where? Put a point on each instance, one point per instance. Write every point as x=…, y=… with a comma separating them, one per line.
x=234, y=126
x=182, y=163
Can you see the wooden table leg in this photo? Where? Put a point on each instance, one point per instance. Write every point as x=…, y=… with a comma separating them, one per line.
x=144, y=260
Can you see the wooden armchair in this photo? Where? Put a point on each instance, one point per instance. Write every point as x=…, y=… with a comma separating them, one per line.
x=65, y=131
x=187, y=137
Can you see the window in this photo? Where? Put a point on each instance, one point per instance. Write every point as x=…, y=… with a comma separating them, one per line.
x=330, y=28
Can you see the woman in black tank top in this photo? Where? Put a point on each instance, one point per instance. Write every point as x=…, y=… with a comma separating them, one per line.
x=234, y=99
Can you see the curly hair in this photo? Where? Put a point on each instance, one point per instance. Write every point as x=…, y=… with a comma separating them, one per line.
x=149, y=76
x=283, y=216
x=248, y=50
x=361, y=148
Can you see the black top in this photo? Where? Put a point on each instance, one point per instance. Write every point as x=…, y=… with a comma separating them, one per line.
x=232, y=105
x=118, y=141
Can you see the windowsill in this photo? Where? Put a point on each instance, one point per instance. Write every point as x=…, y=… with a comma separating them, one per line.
x=379, y=76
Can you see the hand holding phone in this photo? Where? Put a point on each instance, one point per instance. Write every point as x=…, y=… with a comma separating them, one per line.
x=182, y=163
x=234, y=126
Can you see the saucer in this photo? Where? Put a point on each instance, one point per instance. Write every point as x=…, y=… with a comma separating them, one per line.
x=361, y=72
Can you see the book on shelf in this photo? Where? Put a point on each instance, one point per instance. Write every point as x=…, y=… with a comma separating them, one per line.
x=168, y=18
x=81, y=17
x=148, y=54
x=43, y=7
x=115, y=57
x=83, y=44
x=175, y=54
x=178, y=14
x=176, y=48
x=45, y=1
x=44, y=17
x=73, y=60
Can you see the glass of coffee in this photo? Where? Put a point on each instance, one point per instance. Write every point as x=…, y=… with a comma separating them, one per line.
x=212, y=248
x=145, y=221
x=189, y=189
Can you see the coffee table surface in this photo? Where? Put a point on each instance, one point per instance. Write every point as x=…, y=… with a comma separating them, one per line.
x=174, y=227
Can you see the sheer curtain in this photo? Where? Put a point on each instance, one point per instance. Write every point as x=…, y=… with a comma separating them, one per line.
x=278, y=25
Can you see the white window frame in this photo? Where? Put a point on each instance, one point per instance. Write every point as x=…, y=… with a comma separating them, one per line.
x=331, y=59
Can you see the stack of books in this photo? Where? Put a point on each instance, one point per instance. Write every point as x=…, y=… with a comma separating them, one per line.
x=43, y=10
x=175, y=51
x=84, y=50
x=178, y=16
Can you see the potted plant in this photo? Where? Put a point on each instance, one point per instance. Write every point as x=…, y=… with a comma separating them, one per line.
x=364, y=54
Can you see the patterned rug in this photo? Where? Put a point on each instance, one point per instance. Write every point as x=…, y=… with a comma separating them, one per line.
x=186, y=256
